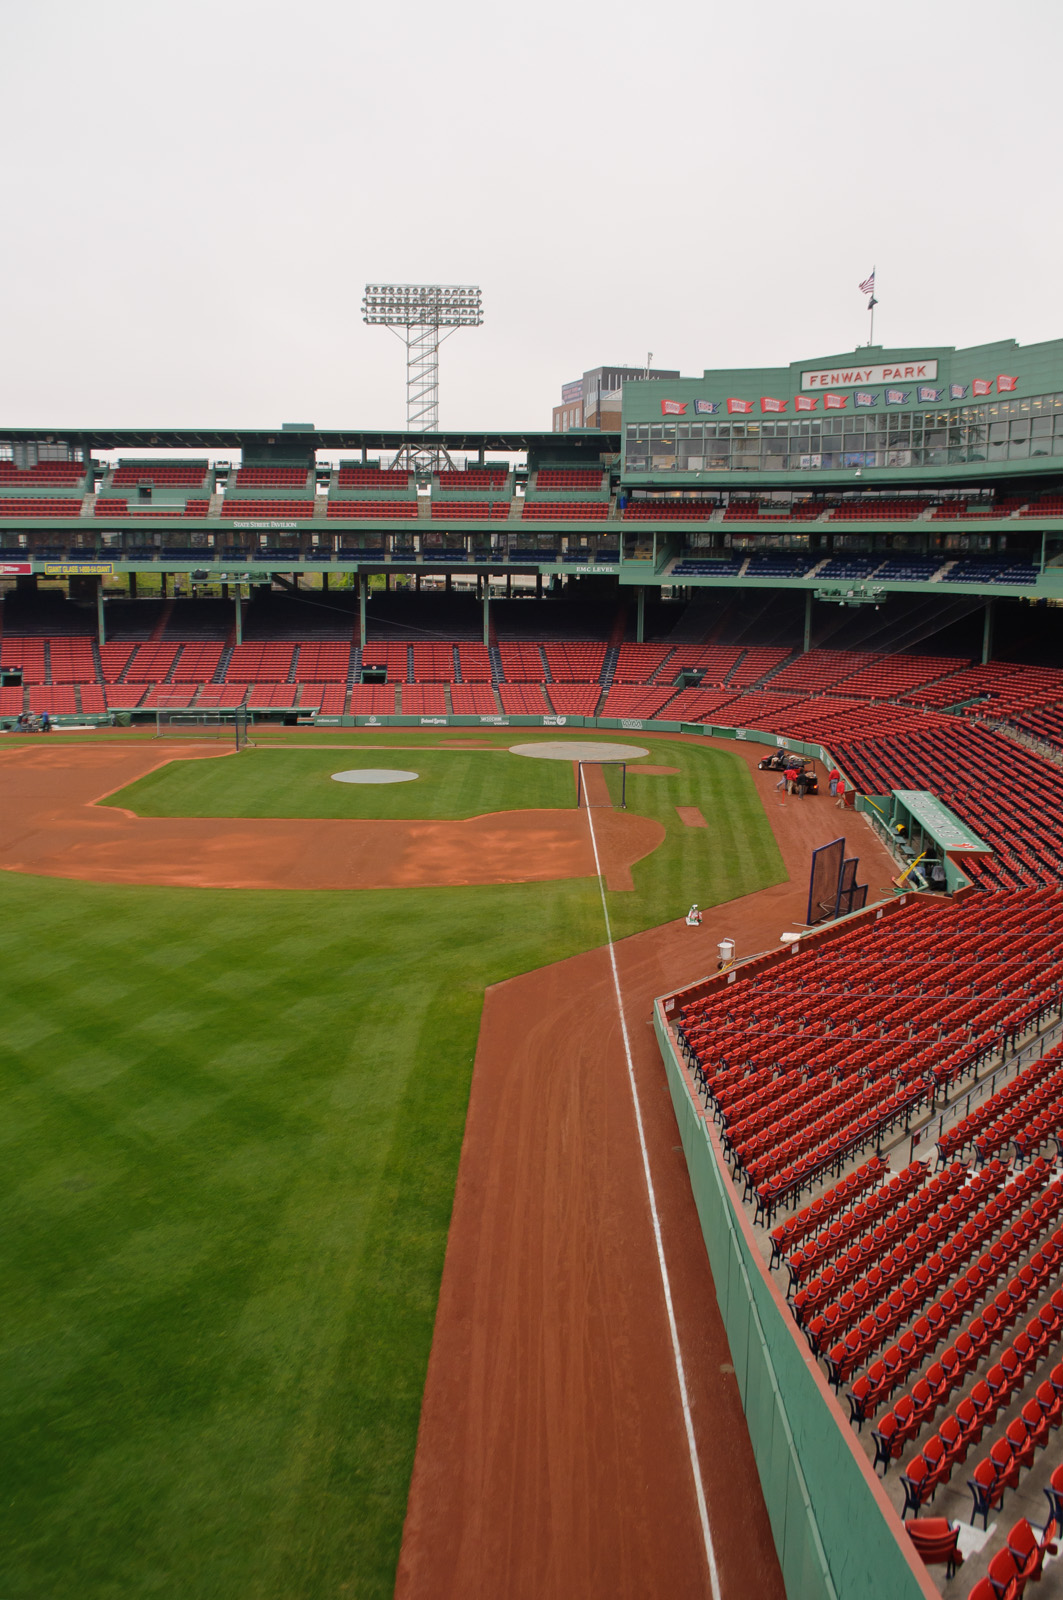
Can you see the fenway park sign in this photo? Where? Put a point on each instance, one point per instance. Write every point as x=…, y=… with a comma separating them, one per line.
x=849, y=377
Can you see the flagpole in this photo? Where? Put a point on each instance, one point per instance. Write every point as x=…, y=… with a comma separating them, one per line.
x=871, y=336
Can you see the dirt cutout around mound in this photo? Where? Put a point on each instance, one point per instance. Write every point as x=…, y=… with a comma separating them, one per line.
x=50, y=824
x=552, y=1459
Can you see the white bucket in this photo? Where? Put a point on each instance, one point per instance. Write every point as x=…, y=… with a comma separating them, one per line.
x=726, y=949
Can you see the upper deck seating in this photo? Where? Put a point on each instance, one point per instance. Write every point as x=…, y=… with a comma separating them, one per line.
x=474, y=663
x=495, y=510
x=669, y=510
x=46, y=474
x=407, y=509
x=569, y=478
x=323, y=662
x=640, y=663
x=259, y=509
x=474, y=478
x=386, y=480
x=161, y=474
x=260, y=663
x=564, y=510
x=42, y=506
x=274, y=477
x=521, y=663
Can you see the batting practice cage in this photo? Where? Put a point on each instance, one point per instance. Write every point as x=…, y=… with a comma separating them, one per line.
x=601, y=783
x=185, y=722
x=832, y=887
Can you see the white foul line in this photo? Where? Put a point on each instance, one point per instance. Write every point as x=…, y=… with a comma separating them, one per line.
x=680, y=1372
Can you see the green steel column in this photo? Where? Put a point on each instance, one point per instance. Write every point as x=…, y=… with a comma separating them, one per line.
x=640, y=624
x=808, y=619
x=100, y=627
x=987, y=632
x=1044, y=536
x=363, y=584
x=239, y=604
x=487, y=608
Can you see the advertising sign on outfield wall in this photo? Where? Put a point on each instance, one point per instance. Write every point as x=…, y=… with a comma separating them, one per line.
x=15, y=569
x=78, y=569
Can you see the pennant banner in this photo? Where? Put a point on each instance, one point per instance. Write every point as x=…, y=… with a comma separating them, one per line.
x=982, y=386
x=835, y=402
x=898, y=397
x=706, y=408
x=924, y=393
x=767, y=403
x=805, y=402
x=739, y=406
x=673, y=408
x=958, y=391
x=1005, y=385
x=864, y=399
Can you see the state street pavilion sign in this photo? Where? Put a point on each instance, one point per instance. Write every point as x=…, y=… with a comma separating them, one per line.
x=849, y=377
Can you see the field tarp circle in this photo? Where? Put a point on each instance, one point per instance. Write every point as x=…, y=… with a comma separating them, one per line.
x=578, y=750
x=374, y=775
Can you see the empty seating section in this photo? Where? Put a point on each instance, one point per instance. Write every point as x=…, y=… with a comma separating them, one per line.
x=260, y=663
x=395, y=657
x=879, y=508
x=372, y=700
x=493, y=510
x=475, y=478
x=333, y=699
x=669, y=510
x=42, y=506
x=256, y=510
x=114, y=658
x=523, y=700
x=424, y=700
x=473, y=700
x=433, y=663
x=757, y=663
x=563, y=510
x=274, y=477
x=46, y=474
x=715, y=567
x=267, y=696
x=702, y=705
x=199, y=662
x=886, y=677
x=398, y=509
x=568, y=478
x=162, y=474
x=522, y=663
x=474, y=661
x=886, y=1032
x=819, y=669
x=196, y=508
x=1046, y=505
x=626, y=700
x=715, y=662
x=26, y=653
x=987, y=571
x=389, y=480
x=640, y=663
x=574, y=699
x=323, y=662
x=72, y=661
x=575, y=663
x=110, y=506
x=152, y=663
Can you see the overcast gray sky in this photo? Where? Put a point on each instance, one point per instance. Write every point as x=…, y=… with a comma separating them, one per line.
x=194, y=195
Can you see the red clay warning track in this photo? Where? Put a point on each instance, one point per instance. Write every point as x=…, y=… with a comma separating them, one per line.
x=552, y=1460
x=49, y=824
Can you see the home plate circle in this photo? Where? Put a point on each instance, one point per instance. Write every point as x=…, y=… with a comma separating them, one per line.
x=375, y=775
x=578, y=750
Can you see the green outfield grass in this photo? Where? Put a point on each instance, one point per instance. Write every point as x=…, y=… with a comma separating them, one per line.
x=231, y=1130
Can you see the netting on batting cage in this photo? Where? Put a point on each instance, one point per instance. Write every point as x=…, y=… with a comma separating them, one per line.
x=186, y=722
x=601, y=783
x=825, y=881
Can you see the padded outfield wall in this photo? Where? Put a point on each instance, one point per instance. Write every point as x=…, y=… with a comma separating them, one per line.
x=836, y=1534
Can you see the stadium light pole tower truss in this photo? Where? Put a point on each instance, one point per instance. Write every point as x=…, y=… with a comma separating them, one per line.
x=415, y=313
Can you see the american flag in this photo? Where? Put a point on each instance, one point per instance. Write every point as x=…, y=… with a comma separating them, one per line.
x=868, y=285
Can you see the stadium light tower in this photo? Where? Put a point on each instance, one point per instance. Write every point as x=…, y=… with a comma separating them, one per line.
x=415, y=313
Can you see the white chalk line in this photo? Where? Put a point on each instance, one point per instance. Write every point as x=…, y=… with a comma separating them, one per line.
x=677, y=1354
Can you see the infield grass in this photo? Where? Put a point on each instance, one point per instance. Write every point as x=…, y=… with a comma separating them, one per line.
x=231, y=1130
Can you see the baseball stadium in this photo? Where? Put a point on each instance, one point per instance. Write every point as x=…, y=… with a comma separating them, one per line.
x=534, y=997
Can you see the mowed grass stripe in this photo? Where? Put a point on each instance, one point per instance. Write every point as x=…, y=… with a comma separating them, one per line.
x=231, y=1134
x=268, y=782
